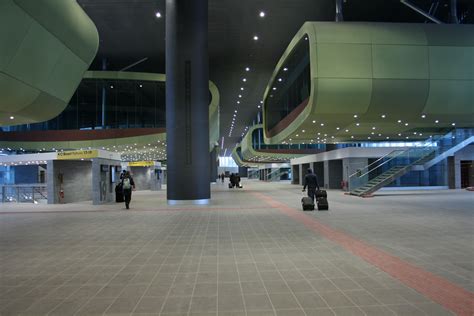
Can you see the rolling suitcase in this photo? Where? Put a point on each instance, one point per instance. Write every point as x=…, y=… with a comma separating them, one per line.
x=119, y=193
x=322, y=203
x=307, y=203
x=320, y=193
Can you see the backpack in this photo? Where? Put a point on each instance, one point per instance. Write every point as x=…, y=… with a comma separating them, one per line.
x=126, y=184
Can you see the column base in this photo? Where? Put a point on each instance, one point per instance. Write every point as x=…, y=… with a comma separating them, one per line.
x=189, y=202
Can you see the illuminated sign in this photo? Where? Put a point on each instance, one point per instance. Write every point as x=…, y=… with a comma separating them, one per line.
x=141, y=163
x=77, y=154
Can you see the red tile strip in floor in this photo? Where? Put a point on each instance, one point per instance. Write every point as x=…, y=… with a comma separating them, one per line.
x=440, y=290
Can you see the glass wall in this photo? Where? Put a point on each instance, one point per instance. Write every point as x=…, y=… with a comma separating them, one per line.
x=225, y=161
x=258, y=143
x=291, y=86
x=104, y=104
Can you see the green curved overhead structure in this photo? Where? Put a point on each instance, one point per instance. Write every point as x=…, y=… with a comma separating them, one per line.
x=239, y=161
x=134, y=143
x=45, y=48
x=343, y=82
x=274, y=155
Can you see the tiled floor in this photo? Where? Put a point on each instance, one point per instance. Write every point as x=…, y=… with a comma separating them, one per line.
x=237, y=256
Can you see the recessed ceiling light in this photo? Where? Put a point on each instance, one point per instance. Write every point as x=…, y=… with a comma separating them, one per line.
x=242, y=88
x=240, y=95
x=322, y=124
x=261, y=102
x=244, y=79
x=347, y=131
x=436, y=121
x=238, y=102
x=158, y=14
x=12, y=117
x=357, y=124
x=423, y=115
x=406, y=124
x=453, y=124
x=255, y=38
x=373, y=127
x=355, y=115
x=111, y=87
x=314, y=121
x=383, y=116
x=285, y=69
x=258, y=106
x=261, y=14
x=280, y=79
x=399, y=121
x=247, y=69
x=141, y=86
x=303, y=130
x=337, y=128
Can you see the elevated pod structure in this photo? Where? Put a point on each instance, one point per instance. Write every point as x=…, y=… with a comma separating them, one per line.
x=237, y=156
x=45, y=48
x=270, y=153
x=343, y=82
x=137, y=142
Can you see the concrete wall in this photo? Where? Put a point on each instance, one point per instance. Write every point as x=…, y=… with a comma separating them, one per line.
x=77, y=180
x=142, y=176
x=103, y=189
x=335, y=174
x=295, y=170
x=318, y=169
x=156, y=179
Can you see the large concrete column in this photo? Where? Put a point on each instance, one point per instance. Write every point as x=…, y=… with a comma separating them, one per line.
x=187, y=102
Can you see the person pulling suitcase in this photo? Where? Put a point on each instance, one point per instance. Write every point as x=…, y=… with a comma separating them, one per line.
x=311, y=181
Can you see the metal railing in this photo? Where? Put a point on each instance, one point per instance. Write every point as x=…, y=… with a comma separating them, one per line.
x=428, y=151
x=23, y=193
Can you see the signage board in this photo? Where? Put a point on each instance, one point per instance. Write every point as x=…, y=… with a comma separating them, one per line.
x=78, y=154
x=141, y=163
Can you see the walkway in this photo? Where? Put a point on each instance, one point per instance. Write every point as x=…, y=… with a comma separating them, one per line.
x=252, y=252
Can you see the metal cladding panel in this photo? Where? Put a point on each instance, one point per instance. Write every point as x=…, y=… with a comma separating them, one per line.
x=366, y=75
x=344, y=60
x=46, y=46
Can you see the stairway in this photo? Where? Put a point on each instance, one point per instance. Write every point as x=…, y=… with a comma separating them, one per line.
x=398, y=163
x=385, y=178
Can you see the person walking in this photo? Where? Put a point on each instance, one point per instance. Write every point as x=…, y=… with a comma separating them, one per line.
x=311, y=181
x=223, y=177
x=127, y=185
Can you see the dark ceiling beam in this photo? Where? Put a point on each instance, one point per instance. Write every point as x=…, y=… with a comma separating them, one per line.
x=454, y=12
x=420, y=11
x=339, y=13
x=134, y=64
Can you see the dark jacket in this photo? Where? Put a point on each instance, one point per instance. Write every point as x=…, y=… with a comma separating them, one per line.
x=311, y=181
